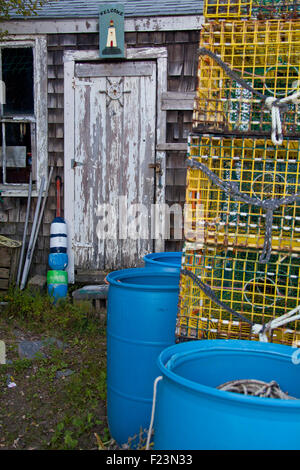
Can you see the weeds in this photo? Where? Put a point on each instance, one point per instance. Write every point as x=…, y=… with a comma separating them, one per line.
x=37, y=311
x=69, y=430
x=44, y=410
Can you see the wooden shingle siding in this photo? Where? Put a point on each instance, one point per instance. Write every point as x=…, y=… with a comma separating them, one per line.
x=182, y=64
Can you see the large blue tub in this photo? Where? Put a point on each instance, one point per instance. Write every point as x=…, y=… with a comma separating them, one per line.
x=141, y=319
x=163, y=260
x=192, y=414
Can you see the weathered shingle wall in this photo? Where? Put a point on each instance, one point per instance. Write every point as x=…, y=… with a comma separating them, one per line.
x=182, y=64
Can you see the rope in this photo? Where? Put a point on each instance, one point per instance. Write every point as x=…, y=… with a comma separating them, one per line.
x=273, y=104
x=208, y=291
x=153, y=410
x=230, y=72
x=4, y=241
x=261, y=330
x=269, y=205
x=264, y=330
x=255, y=388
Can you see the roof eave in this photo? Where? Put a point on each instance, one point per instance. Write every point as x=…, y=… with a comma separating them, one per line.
x=38, y=25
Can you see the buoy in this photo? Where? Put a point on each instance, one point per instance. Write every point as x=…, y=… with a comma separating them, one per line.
x=58, y=257
x=57, y=282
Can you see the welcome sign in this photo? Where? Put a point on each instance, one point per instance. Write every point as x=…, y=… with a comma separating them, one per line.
x=111, y=31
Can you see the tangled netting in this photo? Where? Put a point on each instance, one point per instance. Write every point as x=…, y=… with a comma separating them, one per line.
x=255, y=388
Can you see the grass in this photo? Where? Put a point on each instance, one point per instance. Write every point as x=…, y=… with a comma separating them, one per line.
x=42, y=411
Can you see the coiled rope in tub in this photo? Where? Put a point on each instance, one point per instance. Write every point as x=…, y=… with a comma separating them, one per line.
x=249, y=387
x=255, y=388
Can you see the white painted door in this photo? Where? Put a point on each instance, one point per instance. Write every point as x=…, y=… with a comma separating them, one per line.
x=115, y=121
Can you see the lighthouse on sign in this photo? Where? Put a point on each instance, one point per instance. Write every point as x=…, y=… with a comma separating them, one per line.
x=111, y=31
x=111, y=35
x=111, y=43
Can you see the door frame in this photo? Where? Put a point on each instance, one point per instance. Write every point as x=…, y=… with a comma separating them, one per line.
x=70, y=58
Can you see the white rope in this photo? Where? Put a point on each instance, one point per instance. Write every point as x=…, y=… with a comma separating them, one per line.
x=153, y=410
x=274, y=104
x=255, y=388
x=263, y=331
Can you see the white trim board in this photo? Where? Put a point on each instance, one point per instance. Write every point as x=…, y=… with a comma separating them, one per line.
x=70, y=57
x=91, y=25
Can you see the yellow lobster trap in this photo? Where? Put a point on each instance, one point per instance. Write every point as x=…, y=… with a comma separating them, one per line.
x=245, y=192
x=225, y=9
x=245, y=69
x=237, y=9
x=235, y=292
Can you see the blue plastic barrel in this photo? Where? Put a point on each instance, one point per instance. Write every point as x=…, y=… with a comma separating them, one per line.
x=191, y=413
x=141, y=319
x=163, y=260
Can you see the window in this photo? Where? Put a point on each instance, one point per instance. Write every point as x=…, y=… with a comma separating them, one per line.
x=23, y=114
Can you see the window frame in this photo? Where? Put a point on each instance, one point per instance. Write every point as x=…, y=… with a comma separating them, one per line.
x=40, y=118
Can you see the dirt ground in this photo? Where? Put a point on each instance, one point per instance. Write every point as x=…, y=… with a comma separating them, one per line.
x=57, y=400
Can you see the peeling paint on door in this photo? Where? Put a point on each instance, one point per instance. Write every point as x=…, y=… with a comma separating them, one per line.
x=114, y=133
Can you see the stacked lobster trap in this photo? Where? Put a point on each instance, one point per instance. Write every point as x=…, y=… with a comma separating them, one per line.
x=243, y=180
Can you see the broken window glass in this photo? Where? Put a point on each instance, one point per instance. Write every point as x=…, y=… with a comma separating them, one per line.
x=17, y=152
x=17, y=74
x=17, y=114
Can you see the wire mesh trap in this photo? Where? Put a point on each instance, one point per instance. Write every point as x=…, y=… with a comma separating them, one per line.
x=237, y=9
x=241, y=64
x=245, y=191
x=284, y=9
x=245, y=181
x=220, y=9
x=237, y=291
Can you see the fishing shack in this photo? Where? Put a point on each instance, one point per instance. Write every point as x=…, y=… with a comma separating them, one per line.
x=110, y=110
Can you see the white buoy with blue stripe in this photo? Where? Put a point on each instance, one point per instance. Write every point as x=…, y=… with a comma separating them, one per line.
x=58, y=236
x=58, y=257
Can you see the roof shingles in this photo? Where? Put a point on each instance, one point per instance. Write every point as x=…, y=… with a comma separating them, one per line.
x=137, y=8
